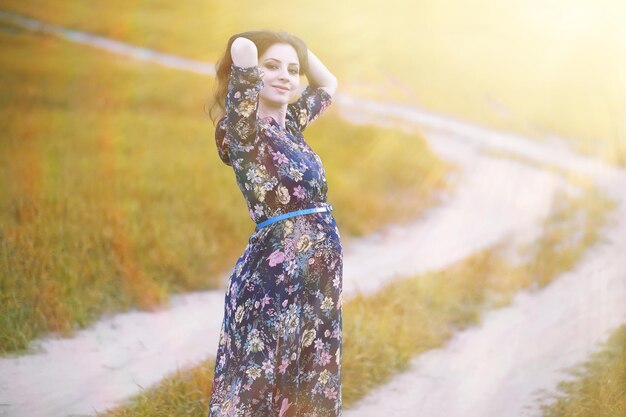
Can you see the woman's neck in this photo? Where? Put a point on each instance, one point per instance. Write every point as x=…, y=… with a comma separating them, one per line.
x=279, y=114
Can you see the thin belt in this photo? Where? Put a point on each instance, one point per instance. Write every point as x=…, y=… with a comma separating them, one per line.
x=328, y=207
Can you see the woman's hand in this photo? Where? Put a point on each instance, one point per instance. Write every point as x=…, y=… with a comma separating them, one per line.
x=244, y=53
x=318, y=75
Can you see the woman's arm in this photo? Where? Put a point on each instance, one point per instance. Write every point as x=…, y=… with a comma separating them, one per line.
x=244, y=86
x=319, y=76
x=244, y=53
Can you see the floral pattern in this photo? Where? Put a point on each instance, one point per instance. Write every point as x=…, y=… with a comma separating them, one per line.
x=279, y=351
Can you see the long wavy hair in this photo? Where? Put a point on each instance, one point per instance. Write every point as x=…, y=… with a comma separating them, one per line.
x=263, y=39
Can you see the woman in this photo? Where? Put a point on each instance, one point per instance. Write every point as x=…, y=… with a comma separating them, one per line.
x=279, y=352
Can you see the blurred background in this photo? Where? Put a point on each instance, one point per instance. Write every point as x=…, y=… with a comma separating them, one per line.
x=113, y=197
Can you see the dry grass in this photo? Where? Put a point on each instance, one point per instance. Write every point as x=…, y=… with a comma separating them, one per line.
x=383, y=331
x=184, y=393
x=534, y=67
x=113, y=196
x=597, y=387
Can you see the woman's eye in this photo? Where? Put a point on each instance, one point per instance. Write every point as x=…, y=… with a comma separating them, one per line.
x=294, y=71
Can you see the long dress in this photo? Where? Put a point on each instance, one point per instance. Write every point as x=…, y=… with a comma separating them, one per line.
x=279, y=351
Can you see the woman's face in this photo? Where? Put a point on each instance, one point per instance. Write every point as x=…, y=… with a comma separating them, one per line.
x=281, y=78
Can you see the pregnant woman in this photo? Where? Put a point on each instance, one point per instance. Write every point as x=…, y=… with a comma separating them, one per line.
x=279, y=352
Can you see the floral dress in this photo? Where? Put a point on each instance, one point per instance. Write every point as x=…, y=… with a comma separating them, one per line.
x=279, y=351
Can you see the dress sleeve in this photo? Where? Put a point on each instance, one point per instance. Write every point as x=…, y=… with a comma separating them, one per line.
x=242, y=102
x=313, y=101
x=222, y=141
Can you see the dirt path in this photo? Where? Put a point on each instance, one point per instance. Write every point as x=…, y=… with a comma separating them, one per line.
x=109, y=361
x=500, y=367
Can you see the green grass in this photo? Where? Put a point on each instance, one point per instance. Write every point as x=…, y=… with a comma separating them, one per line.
x=114, y=197
x=597, y=387
x=383, y=331
x=531, y=67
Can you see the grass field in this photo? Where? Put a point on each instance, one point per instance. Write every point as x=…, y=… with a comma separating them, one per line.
x=383, y=331
x=114, y=196
x=533, y=67
x=597, y=387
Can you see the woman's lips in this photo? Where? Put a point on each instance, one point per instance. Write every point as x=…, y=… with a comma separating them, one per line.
x=281, y=88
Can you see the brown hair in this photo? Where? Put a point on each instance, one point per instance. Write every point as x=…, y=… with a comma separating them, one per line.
x=263, y=39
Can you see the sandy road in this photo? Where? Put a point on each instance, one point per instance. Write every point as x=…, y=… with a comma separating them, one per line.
x=500, y=367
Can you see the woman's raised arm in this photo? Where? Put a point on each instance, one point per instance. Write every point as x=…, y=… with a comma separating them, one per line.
x=318, y=75
x=244, y=53
x=243, y=92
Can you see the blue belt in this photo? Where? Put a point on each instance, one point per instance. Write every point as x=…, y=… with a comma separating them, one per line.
x=271, y=220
